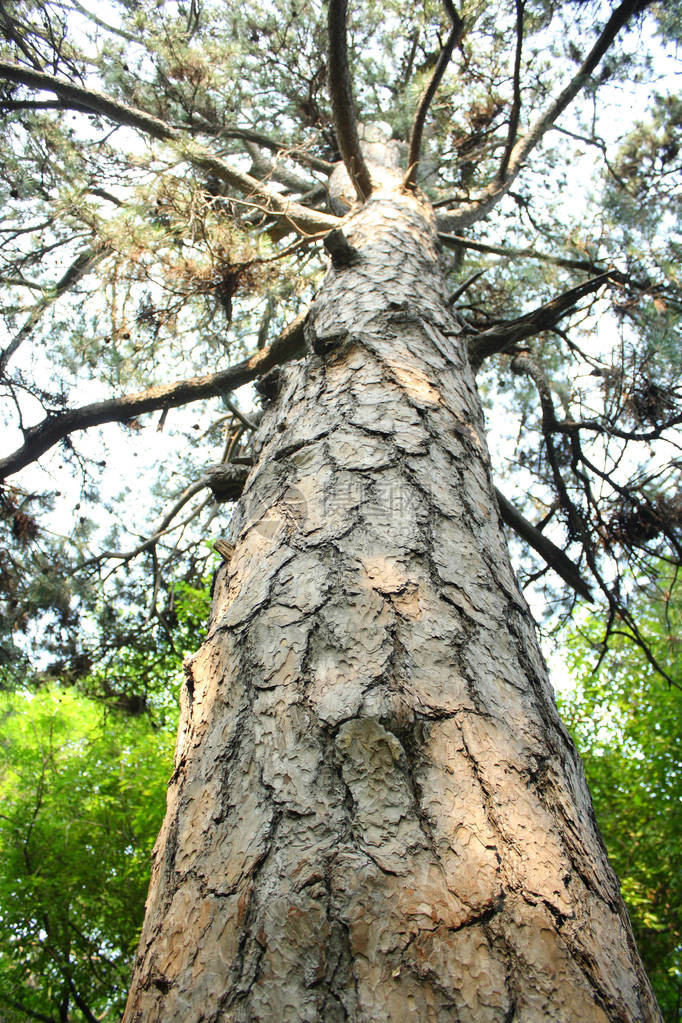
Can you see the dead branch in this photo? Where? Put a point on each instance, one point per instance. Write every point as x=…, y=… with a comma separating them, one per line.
x=238, y=414
x=114, y=29
x=464, y=286
x=291, y=152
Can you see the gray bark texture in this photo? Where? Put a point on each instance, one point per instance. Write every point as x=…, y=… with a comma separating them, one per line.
x=376, y=813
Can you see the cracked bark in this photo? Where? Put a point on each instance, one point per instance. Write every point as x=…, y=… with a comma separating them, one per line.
x=376, y=813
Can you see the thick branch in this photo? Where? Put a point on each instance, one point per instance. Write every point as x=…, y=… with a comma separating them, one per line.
x=502, y=337
x=491, y=195
x=52, y=429
x=429, y=92
x=341, y=94
x=549, y=552
x=98, y=103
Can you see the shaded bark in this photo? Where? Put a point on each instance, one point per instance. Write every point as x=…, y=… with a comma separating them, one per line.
x=376, y=813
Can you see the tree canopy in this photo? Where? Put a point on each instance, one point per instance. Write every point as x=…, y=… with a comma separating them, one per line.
x=168, y=182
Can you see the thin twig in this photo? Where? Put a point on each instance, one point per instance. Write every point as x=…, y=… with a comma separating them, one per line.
x=163, y=527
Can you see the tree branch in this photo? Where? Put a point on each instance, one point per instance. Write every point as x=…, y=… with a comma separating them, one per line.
x=516, y=102
x=429, y=92
x=300, y=217
x=464, y=286
x=297, y=155
x=83, y=263
x=501, y=337
x=103, y=24
x=78, y=998
x=30, y=1013
x=151, y=541
x=549, y=552
x=341, y=94
x=524, y=363
x=52, y=429
x=455, y=241
x=492, y=193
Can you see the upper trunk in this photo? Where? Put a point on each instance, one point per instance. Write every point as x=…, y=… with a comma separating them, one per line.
x=376, y=813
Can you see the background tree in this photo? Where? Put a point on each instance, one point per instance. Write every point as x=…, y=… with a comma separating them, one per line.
x=82, y=799
x=198, y=185
x=627, y=726
x=83, y=782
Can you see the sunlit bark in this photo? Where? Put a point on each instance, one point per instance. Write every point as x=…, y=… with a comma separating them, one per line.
x=376, y=813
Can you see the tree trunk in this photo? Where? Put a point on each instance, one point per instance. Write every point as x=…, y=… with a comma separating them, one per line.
x=376, y=813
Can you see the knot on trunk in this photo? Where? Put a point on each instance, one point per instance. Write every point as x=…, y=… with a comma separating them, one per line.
x=226, y=482
x=268, y=387
x=340, y=249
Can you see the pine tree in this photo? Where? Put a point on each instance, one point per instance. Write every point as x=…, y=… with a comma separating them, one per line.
x=376, y=812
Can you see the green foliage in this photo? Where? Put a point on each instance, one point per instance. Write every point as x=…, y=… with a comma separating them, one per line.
x=627, y=725
x=83, y=775
x=82, y=796
x=144, y=673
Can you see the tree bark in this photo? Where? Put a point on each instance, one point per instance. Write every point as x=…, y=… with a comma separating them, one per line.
x=376, y=813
